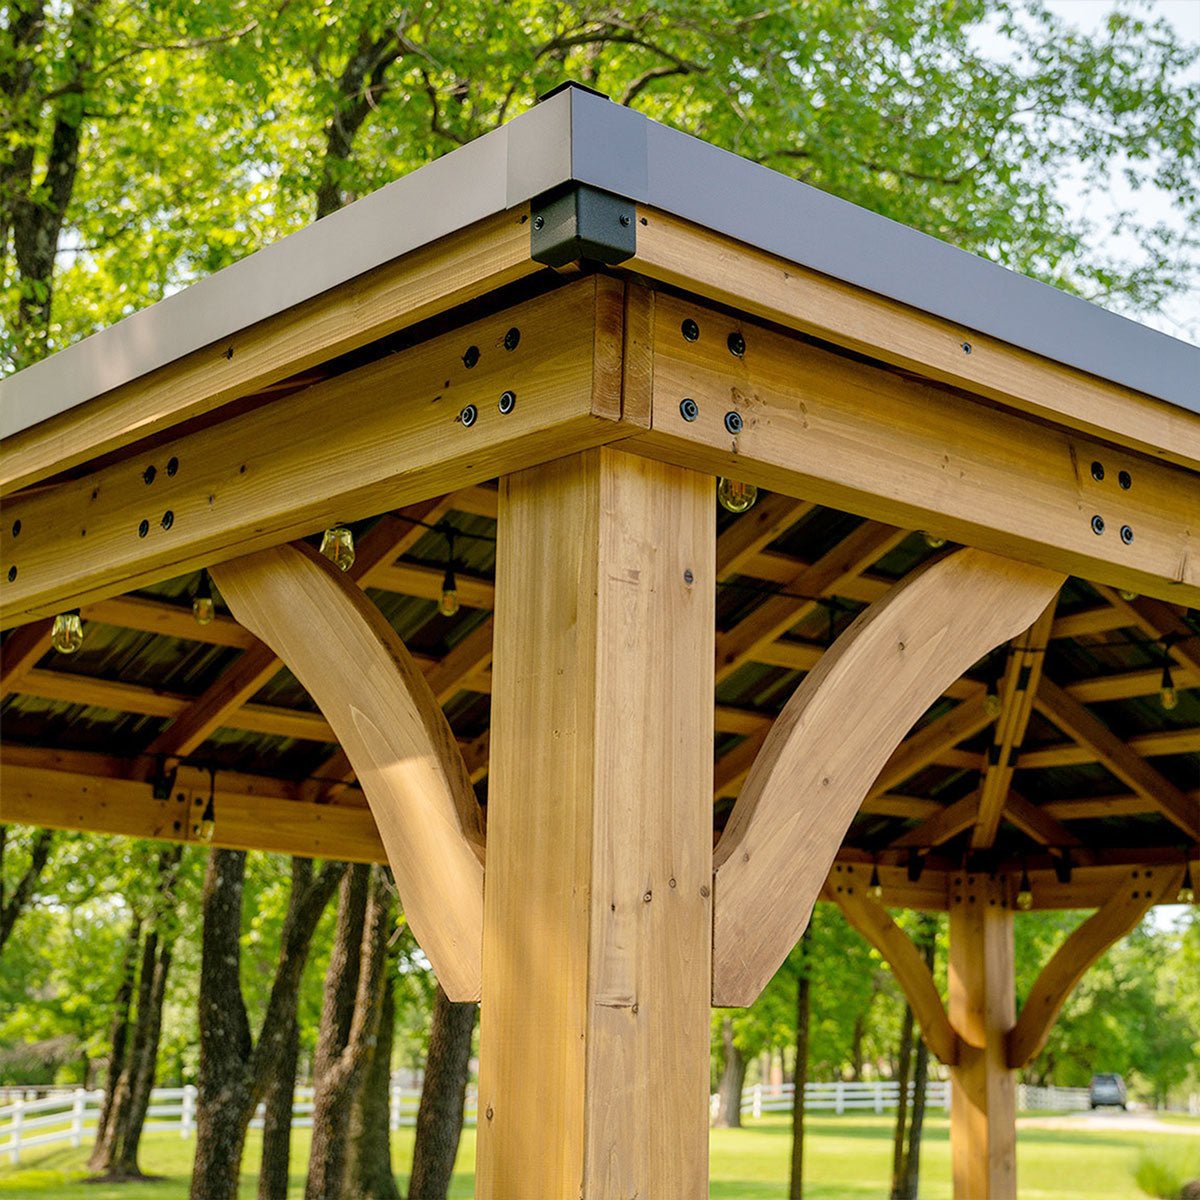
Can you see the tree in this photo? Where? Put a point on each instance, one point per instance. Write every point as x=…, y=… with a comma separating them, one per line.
x=803, y=1016
x=371, y=1176
x=15, y=896
x=234, y=1068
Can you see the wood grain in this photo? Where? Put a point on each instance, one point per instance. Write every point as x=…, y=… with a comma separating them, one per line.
x=829, y=744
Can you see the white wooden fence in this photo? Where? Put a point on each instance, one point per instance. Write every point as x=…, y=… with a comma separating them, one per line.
x=66, y=1117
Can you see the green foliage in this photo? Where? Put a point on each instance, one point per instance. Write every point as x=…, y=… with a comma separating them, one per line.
x=1163, y=1171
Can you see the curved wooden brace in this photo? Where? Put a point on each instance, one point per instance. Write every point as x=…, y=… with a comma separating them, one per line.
x=833, y=737
x=876, y=925
x=1110, y=922
x=340, y=647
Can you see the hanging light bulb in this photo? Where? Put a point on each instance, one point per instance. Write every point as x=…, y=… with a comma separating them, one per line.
x=932, y=540
x=1168, y=697
x=736, y=497
x=1024, y=892
x=875, y=888
x=992, y=704
x=66, y=634
x=203, y=608
x=1187, y=893
x=337, y=544
x=208, y=819
x=1127, y=596
x=449, y=602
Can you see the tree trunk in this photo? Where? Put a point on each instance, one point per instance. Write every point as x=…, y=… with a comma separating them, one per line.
x=224, y=1100
x=733, y=1076
x=281, y=1087
x=12, y=905
x=440, y=1117
x=803, y=1012
x=343, y=1060
x=856, y=1047
x=233, y=1071
x=902, y=1078
x=371, y=1176
x=117, y=1037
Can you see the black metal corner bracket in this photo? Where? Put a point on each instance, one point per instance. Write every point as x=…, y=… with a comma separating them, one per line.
x=581, y=222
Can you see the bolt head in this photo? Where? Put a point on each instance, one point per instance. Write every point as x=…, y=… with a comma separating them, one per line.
x=1097, y=524
x=689, y=410
x=737, y=344
x=507, y=402
x=690, y=330
x=538, y=222
x=733, y=422
x=1126, y=534
x=468, y=415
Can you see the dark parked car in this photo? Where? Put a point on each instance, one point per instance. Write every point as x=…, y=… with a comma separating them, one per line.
x=1106, y=1090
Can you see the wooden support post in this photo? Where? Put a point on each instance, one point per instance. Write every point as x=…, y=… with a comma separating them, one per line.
x=597, y=912
x=983, y=1106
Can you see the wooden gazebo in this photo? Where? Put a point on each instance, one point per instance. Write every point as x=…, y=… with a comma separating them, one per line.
x=951, y=647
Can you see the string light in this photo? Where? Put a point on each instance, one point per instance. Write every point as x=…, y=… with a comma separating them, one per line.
x=203, y=608
x=1187, y=893
x=1024, y=892
x=932, y=540
x=1168, y=697
x=1127, y=596
x=337, y=544
x=208, y=819
x=736, y=497
x=448, y=605
x=875, y=887
x=66, y=634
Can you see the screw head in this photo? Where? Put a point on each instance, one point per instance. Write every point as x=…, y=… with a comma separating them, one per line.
x=471, y=357
x=538, y=222
x=143, y=528
x=689, y=410
x=148, y=474
x=1097, y=524
x=168, y=519
x=512, y=338
x=468, y=415
x=733, y=422
x=16, y=527
x=1125, y=480
x=1097, y=471
x=690, y=330
x=688, y=577
x=507, y=402
x=12, y=574
x=737, y=344
x=1126, y=534
x=966, y=347
x=626, y=220
x=172, y=465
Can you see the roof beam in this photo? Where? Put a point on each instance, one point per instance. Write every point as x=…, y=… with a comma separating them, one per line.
x=823, y=427
x=1125, y=763
x=371, y=439
x=1026, y=658
x=21, y=651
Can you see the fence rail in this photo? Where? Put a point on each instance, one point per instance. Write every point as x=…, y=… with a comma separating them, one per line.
x=64, y=1115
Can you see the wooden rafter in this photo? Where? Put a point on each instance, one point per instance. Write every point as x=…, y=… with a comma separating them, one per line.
x=943, y=825
x=1022, y=674
x=21, y=652
x=820, y=759
x=1125, y=763
x=340, y=647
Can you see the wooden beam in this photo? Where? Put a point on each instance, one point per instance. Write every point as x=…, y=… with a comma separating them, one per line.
x=167, y=620
x=428, y=281
x=1022, y=674
x=739, y=546
x=943, y=825
x=1126, y=764
x=747, y=280
x=371, y=439
x=822, y=427
x=983, y=1092
x=1036, y=823
x=101, y=795
x=349, y=659
x=928, y=743
x=598, y=921
x=777, y=614
x=1148, y=745
x=1119, y=914
x=1102, y=619
x=871, y=920
x=21, y=651
x=831, y=741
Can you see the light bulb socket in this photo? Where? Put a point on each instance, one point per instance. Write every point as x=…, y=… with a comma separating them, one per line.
x=1024, y=892
x=875, y=886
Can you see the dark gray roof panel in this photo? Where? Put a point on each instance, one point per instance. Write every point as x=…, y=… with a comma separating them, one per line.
x=581, y=137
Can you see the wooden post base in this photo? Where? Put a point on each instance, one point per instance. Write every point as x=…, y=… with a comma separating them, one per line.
x=983, y=1103
x=597, y=909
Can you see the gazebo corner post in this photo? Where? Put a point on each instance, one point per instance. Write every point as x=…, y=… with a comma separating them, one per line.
x=983, y=1094
x=598, y=901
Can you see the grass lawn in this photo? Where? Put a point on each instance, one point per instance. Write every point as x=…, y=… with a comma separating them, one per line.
x=846, y=1157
